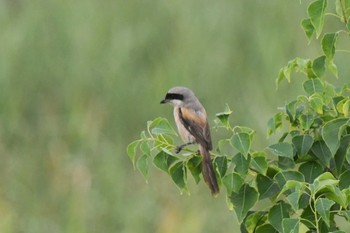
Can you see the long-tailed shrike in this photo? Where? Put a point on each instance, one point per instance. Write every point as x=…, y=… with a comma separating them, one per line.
x=192, y=124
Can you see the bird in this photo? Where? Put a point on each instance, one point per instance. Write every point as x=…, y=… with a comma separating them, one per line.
x=192, y=124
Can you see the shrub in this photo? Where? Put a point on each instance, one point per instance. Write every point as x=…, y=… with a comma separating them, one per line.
x=305, y=174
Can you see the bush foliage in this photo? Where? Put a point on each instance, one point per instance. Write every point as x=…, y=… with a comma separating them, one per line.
x=305, y=176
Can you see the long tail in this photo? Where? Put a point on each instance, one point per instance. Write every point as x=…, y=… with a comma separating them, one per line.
x=208, y=171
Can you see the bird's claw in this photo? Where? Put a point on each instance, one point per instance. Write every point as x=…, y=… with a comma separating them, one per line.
x=178, y=149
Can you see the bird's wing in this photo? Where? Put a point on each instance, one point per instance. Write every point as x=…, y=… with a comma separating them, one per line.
x=196, y=123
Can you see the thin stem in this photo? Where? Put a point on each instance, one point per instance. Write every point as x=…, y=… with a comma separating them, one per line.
x=343, y=31
x=215, y=154
x=342, y=51
x=149, y=132
x=313, y=209
x=253, y=170
x=332, y=14
x=306, y=220
x=334, y=211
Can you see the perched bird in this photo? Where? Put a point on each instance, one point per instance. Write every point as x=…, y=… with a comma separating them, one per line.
x=192, y=124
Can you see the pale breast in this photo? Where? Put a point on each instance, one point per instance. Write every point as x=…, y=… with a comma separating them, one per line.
x=183, y=132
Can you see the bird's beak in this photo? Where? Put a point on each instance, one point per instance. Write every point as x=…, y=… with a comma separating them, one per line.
x=164, y=101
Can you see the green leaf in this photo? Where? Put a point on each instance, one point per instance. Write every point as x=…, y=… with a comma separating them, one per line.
x=337, y=98
x=343, y=9
x=194, y=165
x=346, y=192
x=145, y=148
x=312, y=86
x=280, y=77
x=160, y=161
x=344, y=107
x=329, y=41
x=233, y=182
x=283, y=149
x=322, y=152
x=316, y=12
x=331, y=133
x=319, y=66
x=243, y=201
x=332, y=67
x=242, y=164
x=266, y=186
x=305, y=66
x=167, y=151
x=287, y=70
x=253, y=220
x=340, y=156
x=160, y=126
x=323, y=206
x=340, y=105
x=348, y=24
x=295, y=191
x=304, y=200
x=283, y=176
x=274, y=123
x=293, y=185
x=344, y=180
x=259, y=163
x=224, y=145
x=302, y=102
x=316, y=102
x=311, y=170
x=163, y=161
x=272, y=170
x=308, y=217
x=325, y=183
x=306, y=121
x=325, y=176
x=295, y=133
x=297, y=64
x=308, y=28
x=163, y=141
x=290, y=225
x=346, y=213
x=291, y=110
x=132, y=149
x=277, y=214
x=242, y=142
x=143, y=135
x=221, y=165
x=293, y=199
x=179, y=176
x=142, y=165
x=243, y=129
x=347, y=157
x=302, y=144
x=285, y=163
x=334, y=193
x=265, y=228
x=223, y=116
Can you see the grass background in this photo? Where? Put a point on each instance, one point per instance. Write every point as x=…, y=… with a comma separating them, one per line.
x=79, y=79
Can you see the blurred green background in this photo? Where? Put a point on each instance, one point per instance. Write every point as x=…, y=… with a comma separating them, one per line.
x=79, y=79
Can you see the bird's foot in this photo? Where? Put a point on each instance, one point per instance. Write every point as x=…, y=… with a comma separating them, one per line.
x=178, y=149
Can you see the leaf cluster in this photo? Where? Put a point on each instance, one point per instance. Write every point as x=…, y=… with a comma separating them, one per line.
x=303, y=180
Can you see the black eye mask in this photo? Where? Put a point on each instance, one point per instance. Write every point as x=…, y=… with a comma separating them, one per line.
x=173, y=96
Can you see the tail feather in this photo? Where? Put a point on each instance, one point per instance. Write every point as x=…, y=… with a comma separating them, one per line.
x=208, y=171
